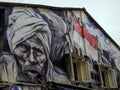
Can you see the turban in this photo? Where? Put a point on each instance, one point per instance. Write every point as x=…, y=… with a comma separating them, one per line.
x=25, y=23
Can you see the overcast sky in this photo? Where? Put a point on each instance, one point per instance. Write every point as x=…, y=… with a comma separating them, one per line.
x=105, y=12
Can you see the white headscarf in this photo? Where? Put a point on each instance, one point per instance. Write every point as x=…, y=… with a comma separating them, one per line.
x=23, y=24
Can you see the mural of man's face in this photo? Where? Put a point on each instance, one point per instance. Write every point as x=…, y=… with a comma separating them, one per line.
x=31, y=56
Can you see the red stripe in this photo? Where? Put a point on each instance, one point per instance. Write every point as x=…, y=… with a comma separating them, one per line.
x=83, y=32
x=78, y=28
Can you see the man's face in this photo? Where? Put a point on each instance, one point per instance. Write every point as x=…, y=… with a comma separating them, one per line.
x=31, y=56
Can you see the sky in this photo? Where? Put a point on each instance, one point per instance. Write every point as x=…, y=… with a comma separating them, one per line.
x=105, y=12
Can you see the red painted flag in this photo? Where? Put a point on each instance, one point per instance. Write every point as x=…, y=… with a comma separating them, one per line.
x=83, y=32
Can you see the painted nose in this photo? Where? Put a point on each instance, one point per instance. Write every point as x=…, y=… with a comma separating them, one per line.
x=31, y=57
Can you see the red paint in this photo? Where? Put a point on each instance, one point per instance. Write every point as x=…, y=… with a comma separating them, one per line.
x=83, y=32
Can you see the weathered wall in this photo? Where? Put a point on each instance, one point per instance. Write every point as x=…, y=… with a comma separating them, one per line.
x=36, y=40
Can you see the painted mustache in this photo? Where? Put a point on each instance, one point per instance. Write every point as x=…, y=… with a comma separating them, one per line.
x=33, y=70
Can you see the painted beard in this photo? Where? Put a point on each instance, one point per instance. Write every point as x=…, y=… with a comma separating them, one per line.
x=33, y=73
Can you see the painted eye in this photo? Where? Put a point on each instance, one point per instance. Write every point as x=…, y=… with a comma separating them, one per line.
x=20, y=50
x=23, y=48
x=37, y=53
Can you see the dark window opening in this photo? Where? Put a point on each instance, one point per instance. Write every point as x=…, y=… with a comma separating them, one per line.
x=92, y=76
x=2, y=19
x=2, y=24
x=106, y=54
x=97, y=77
x=75, y=71
x=64, y=64
x=103, y=77
x=3, y=40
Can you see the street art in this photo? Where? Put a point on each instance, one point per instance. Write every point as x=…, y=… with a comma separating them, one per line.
x=37, y=39
x=38, y=46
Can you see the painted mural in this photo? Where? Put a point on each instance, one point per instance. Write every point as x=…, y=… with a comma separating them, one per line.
x=36, y=42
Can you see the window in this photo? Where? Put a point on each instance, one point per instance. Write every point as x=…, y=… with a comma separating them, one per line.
x=108, y=77
x=105, y=58
x=81, y=69
x=112, y=79
x=95, y=74
x=85, y=71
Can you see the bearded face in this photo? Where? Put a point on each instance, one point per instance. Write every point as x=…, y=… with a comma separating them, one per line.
x=31, y=57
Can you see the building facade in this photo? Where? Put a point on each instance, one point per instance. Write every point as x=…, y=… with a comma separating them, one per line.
x=50, y=48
